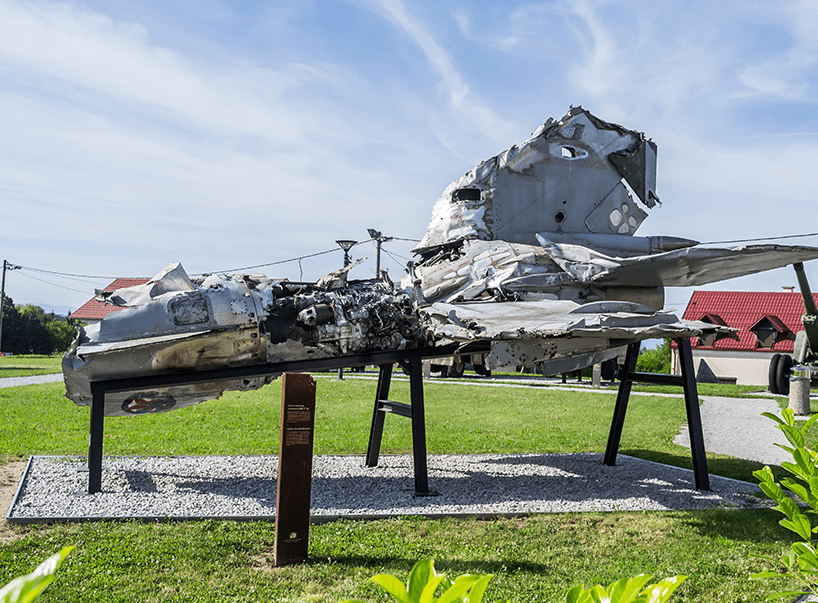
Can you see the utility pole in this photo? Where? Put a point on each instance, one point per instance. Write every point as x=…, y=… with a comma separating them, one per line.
x=379, y=240
x=346, y=245
x=6, y=266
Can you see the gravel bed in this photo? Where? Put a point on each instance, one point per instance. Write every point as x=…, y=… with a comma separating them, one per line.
x=245, y=487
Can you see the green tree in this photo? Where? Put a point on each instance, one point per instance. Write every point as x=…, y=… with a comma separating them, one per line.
x=655, y=360
x=27, y=329
x=62, y=334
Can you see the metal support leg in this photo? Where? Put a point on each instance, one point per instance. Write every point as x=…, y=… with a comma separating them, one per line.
x=376, y=431
x=694, y=417
x=95, y=439
x=419, y=428
x=414, y=411
x=621, y=404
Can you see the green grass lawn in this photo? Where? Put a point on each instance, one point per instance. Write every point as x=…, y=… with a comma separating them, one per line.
x=459, y=419
x=535, y=559
x=26, y=366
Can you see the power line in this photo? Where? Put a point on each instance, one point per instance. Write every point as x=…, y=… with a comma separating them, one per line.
x=111, y=278
x=50, y=283
x=303, y=257
x=298, y=259
x=66, y=274
x=394, y=255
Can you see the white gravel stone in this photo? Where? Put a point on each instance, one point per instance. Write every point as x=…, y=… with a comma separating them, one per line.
x=485, y=484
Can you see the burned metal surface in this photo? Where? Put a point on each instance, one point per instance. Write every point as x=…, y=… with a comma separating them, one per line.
x=533, y=252
x=228, y=321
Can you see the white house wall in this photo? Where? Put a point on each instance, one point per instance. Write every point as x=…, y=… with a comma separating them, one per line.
x=749, y=368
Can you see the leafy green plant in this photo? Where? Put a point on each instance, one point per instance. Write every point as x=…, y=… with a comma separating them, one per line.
x=801, y=561
x=29, y=587
x=626, y=590
x=424, y=581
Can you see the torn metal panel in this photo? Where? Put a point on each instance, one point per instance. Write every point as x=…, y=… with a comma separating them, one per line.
x=172, y=278
x=535, y=333
x=572, y=175
x=530, y=353
x=471, y=270
x=548, y=319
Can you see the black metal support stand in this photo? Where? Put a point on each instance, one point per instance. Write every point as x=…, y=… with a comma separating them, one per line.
x=95, y=438
x=384, y=358
x=694, y=416
x=414, y=411
x=382, y=406
x=694, y=421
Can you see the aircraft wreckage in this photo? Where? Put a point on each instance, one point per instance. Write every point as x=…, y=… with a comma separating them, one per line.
x=532, y=253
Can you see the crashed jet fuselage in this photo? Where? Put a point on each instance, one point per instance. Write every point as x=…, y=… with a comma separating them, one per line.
x=532, y=253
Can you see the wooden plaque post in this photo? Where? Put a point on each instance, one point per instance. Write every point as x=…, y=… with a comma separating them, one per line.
x=294, y=468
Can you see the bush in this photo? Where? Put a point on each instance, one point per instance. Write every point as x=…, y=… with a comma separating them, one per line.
x=424, y=581
x=655, y=360
x=801, y=561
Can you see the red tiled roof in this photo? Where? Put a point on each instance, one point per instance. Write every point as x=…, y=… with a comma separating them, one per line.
x=742, y=310
x=94, y=310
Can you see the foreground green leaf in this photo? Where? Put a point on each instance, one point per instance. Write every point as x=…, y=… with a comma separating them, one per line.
x=28, y=588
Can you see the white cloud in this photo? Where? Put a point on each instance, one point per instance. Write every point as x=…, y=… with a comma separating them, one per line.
x=469, y=104
x=788, y=75
x=124, y=155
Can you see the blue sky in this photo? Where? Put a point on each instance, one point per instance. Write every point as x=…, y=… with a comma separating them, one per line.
x=231, y=134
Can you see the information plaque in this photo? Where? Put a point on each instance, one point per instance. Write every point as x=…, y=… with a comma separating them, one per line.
x=294, y=468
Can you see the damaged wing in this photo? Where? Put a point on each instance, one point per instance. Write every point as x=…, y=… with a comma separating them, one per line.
x=559, y=336
x=689, y=267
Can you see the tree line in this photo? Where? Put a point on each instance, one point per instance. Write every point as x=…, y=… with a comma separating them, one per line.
x=27, y=329
x=657, y=360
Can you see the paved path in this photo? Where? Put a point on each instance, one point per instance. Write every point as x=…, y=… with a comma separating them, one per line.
x=15, y=381
x=734, y=426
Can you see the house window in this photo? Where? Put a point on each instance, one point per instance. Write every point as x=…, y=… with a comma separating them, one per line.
x=769, y=330
x=707, y=340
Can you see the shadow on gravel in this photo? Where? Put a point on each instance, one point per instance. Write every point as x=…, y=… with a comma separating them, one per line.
x=717, y=464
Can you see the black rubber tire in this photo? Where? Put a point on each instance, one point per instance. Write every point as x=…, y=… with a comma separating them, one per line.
x=482, y=370
x=456, y=370
x=783, y=370
x=609, y=370
x=772, y=381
